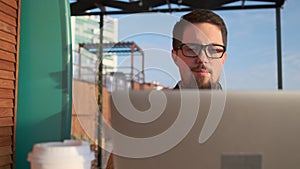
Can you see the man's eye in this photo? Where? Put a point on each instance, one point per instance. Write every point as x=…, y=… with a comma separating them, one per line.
x=215, y=50
x=219, y=50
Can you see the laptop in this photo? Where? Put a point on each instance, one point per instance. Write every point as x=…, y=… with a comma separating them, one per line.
x=206, y=129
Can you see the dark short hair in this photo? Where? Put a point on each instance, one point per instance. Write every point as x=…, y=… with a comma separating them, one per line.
x=198, y=16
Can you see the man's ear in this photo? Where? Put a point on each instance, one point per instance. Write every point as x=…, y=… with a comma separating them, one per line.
x=174, y=55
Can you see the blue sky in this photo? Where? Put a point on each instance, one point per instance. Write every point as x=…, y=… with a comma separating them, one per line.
x=252, y=56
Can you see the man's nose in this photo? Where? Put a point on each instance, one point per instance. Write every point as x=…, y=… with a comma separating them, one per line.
x=202, y=58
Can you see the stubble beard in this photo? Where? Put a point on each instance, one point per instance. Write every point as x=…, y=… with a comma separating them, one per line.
x=204, y=82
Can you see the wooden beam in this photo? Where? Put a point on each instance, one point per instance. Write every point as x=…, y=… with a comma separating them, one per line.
x=8, y=19
x=5, y=65
x=7, y=84
x=7, y=94
x=5, y=162
x=6, y=103
x=7, y=28
x=5, y=141
x=6, y=121
x=8, y=56
x=6, y=150
x=12, y=3
x=7, y=37
x=6, y=131
x=7, y=46
x=4, y=74
x=6, y=112
x=8, y=9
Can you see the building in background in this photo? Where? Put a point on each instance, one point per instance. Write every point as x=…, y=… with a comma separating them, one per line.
x=86, y=40
x=86, y=29
x=85, y=108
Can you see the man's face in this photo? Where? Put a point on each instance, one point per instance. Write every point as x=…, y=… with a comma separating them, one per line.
x=200, y=70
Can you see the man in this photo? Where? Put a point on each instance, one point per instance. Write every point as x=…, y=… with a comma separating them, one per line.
x=199, y=49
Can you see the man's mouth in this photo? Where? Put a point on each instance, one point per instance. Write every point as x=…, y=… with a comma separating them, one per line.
x=201, y=71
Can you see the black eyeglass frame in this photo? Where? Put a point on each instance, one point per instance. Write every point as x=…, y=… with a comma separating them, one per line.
x=201, y=48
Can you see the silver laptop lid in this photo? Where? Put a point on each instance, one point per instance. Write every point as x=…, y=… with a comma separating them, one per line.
x=206, y=129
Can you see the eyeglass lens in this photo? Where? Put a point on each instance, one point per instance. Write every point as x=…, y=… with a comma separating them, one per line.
x=211, y=50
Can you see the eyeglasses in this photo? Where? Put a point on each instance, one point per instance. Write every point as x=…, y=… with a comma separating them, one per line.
x=213, y=51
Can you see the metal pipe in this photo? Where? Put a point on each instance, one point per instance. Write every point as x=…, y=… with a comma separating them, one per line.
x=132, y=65
x=100, y=83
x=143, y=66
x=279, y=51
x=178, y=10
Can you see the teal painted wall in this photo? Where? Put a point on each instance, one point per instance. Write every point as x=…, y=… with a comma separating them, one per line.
x=45, y=74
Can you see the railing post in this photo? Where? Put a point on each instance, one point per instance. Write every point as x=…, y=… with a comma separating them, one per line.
x=279, y=52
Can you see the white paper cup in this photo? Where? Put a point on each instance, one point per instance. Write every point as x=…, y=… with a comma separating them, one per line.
x=70, y=154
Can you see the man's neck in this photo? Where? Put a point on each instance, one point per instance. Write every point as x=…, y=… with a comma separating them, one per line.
x=215, y=86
